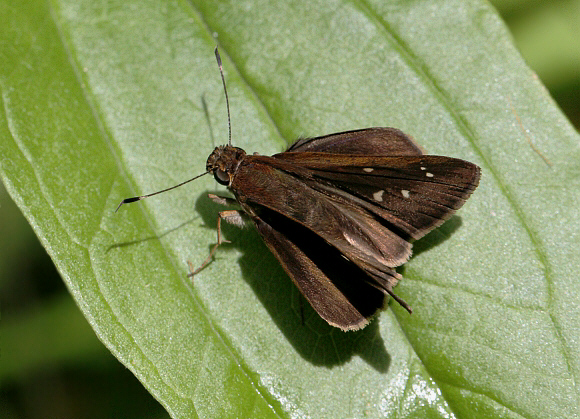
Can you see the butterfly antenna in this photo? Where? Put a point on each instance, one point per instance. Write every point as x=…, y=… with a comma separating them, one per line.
x=139, y=198
x=219, y=61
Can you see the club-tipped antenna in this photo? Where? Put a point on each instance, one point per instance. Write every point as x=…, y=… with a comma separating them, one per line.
x=139, y=198
x=219, y=61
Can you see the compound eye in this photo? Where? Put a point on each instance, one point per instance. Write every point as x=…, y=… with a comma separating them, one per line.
x=222, y=177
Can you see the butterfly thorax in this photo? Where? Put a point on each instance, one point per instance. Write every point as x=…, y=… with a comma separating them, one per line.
x=223, y=162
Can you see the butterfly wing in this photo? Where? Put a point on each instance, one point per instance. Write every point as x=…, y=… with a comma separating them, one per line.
x=369, y=141
x=339, y=223
x=327, y=280
x=348, y=252
x=410, y=194
x=262, y=182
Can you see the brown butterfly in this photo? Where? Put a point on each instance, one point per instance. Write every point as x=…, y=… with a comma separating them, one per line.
x=339, y=212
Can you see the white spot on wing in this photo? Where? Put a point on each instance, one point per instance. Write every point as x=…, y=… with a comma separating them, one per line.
x=378, y=196
x=405, y=193
x=429, y=174
x=423, y=168
x=368, y=169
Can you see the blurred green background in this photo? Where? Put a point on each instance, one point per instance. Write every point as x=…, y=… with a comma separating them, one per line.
x=52, y=364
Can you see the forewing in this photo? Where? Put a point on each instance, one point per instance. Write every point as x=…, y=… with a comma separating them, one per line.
x=355, y=232
x=369, y=141
x=410, y=194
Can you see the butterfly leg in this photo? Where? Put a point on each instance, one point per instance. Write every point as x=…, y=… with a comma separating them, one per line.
x=234, y=217
x=222, y=200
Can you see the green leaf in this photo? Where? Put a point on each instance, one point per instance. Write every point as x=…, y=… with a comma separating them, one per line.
x=105, y=100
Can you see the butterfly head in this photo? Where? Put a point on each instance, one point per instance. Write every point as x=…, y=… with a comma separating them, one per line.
x=223, y=162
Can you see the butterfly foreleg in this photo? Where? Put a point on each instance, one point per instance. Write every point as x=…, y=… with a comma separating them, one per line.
x=222, y=200
x=235, y=217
